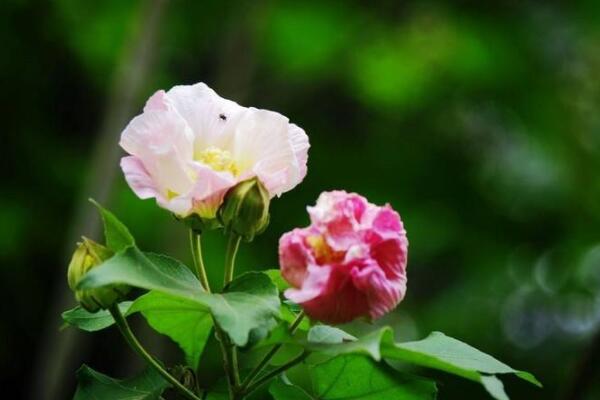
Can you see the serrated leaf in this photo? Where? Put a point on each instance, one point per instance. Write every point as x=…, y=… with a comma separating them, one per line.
x=359, y=378
x=250, y=304
x=93, y=385
x=116, y=233
x=91, y=322
x=183, y=320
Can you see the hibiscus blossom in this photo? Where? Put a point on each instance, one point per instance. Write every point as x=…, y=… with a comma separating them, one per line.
x=190, y=146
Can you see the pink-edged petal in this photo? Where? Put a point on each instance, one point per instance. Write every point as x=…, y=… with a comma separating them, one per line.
x=315, y=283
x=338, y=214
x=294, y=257
x=162, y=141
x=387, y=222
x=157, y=102
x=138, y=178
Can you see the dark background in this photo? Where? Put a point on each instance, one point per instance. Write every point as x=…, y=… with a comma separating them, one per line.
x=478, y=121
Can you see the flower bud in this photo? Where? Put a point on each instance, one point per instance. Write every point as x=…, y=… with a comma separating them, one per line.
x=88, y=255
x=245, y=210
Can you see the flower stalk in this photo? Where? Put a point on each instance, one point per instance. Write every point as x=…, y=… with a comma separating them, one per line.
x=274, y=373
x=233, y=244
x=196, y=247
x=132, y=341
x=265, y=361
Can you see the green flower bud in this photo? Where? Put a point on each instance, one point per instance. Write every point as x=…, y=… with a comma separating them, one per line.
x=245, y=210
x=88, y=255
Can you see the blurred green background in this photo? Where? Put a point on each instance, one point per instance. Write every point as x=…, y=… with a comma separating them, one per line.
x=478, y=121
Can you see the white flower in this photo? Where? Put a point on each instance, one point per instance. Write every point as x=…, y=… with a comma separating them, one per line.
x=190, y=146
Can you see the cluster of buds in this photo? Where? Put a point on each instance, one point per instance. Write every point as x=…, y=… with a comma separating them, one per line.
x=87, y=256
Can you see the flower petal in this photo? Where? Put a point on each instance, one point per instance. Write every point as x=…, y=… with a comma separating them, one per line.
x=294, y=257
x=162, y=141
x=212, y=118
x=263, y=144
x=138, y=178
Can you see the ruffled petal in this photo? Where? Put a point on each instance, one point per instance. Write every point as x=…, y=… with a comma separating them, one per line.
x=383, y=294
x=315, y=284
x=338, y=301
x=294, y=257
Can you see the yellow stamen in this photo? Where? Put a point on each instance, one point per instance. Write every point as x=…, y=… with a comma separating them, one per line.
x=171, y=194
x=217, y=159
x=323, y=252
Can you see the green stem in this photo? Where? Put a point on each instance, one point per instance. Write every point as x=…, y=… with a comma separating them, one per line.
x=138, y=348
x=227, y=359
x=233, y=243
x=196, y=246
x=265, y=361
x=267, y=377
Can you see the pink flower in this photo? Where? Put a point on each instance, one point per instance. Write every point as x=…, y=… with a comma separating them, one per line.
x=350, y=262
x=190, y=146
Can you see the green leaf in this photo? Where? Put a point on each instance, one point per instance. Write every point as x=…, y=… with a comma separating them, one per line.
x=92, y=322
x=448, y=354
x=494, y=387
x=93, y=385
x=116, y=233
x=436, y=351
x=328, y=335
x=359, y=378
x=250, y=304
x=183, y=320
x=144, y=270
x=277, y=279
x=281, y=390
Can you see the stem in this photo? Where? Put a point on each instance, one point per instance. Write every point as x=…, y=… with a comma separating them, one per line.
x=265, y=361
x=266, y=378
x=138, y=348
x=196, y=246
x=230, y=351
x=233, y=243
x=227, y=359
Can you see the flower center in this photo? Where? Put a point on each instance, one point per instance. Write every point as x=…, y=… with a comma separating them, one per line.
x=218, y=160
x=322, y=251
